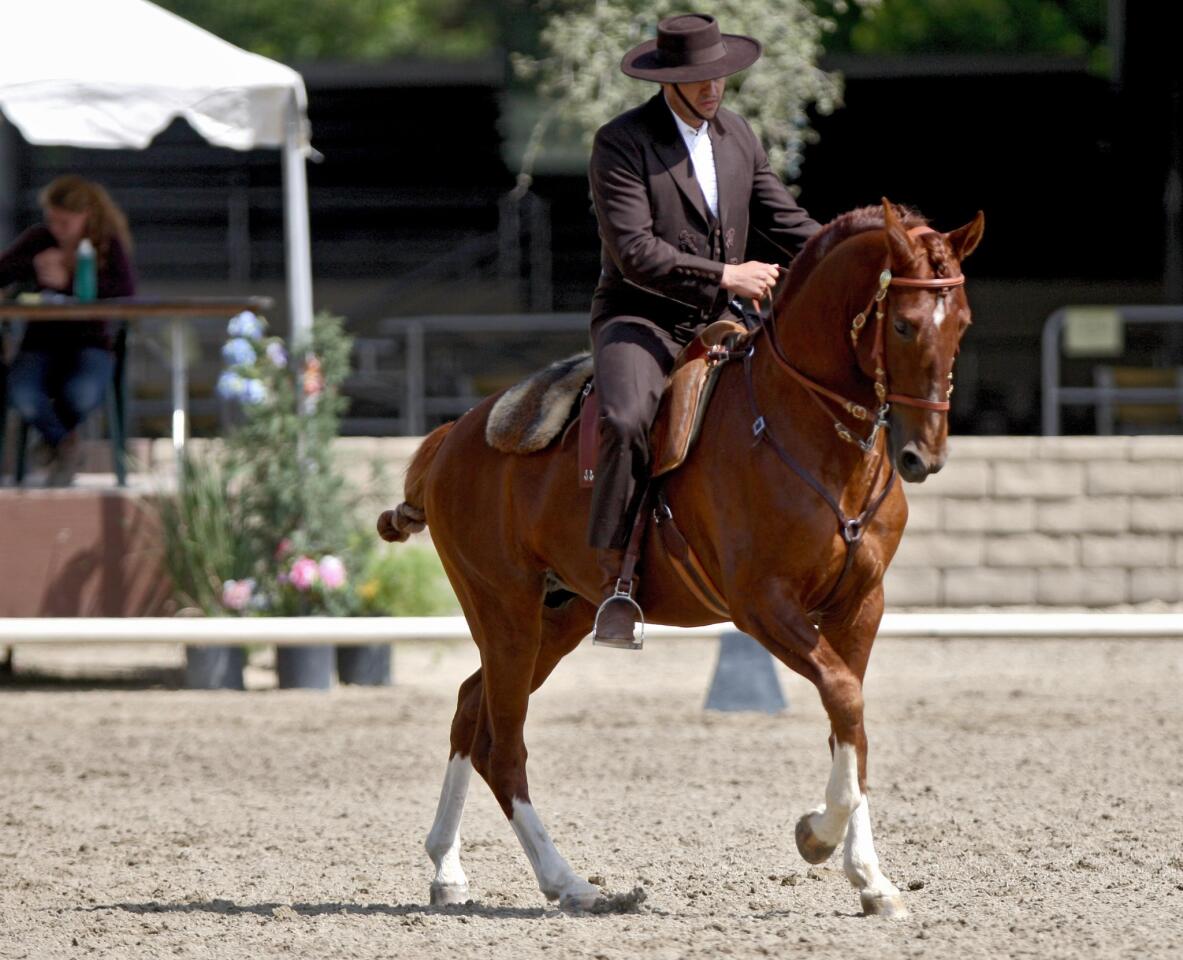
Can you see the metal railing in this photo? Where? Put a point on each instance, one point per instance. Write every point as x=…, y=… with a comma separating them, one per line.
x=413, y=331
x=1105, y=393
x=313, y=631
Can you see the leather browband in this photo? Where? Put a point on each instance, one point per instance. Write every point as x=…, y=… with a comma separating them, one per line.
x=956, y=281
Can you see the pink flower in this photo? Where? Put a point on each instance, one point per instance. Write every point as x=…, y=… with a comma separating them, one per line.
x=313, y=381
x=304, y=574
x=284, y=548
x=236, y=594
x=332, y=572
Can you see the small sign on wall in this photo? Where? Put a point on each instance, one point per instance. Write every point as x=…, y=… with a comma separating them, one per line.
x=1093, y=332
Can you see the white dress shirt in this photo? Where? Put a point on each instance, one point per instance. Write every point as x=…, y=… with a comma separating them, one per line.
x=702, y=157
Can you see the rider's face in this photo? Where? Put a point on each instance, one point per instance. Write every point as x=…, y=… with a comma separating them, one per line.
x=705, y=96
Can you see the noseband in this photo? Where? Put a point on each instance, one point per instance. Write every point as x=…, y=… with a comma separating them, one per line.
x=885, y=397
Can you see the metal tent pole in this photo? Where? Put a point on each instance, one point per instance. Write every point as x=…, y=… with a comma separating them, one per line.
x=296, y=231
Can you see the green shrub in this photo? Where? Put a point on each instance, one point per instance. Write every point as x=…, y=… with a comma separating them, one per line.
x=264, y=525
x=406, y=581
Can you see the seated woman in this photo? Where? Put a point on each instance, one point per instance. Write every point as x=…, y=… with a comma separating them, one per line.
x=61, y=372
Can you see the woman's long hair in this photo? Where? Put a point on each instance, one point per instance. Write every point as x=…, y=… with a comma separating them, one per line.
x=104, y=221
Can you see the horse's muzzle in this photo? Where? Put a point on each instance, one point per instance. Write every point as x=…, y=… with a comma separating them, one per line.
x=915, y=464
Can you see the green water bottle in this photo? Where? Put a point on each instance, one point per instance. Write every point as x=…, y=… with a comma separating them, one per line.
x=86, y=278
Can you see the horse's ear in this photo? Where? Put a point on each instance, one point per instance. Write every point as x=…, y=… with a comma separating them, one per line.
x=964, y=240
x=900, y=248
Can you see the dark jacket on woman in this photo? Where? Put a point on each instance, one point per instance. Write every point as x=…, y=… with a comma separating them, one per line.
x=115, y=279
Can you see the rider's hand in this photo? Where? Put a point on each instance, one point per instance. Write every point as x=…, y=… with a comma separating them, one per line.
x=51, y=269
x=752, y=280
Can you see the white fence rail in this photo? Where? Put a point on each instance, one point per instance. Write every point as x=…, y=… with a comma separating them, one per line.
x=312, y=631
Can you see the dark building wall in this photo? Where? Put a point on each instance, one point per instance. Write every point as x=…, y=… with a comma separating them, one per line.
x=1072, y=215
x=1068, y=168
x=411, y=166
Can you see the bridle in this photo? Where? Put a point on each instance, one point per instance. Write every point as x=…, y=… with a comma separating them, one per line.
x=886, y=398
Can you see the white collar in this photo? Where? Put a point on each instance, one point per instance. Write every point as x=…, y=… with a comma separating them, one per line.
x=683, y=127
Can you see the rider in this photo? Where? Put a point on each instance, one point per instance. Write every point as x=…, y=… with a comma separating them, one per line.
x=677, y=183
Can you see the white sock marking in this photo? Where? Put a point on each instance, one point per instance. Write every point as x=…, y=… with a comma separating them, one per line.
x=860, y=862
x=443, y=842
x=556, y=879
x=842, y=796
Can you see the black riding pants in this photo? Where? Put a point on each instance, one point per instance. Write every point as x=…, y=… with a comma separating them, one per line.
x=633, y=357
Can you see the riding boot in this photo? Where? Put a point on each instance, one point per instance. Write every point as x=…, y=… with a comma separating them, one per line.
x=616, y=617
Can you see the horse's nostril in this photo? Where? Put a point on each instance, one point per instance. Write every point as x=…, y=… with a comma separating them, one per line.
x=912, y=465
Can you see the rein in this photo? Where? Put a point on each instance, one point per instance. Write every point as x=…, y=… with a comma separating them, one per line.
x=686, y=563
x=851, y=528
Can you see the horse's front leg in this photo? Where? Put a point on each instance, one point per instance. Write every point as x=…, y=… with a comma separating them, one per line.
x=852, y=640
x=835, y=662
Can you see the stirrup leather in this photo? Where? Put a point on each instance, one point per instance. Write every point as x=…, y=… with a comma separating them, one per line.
x=622, y=592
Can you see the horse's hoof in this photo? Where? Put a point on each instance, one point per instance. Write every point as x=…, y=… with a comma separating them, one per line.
x=809, y=846
x=883, y=905
x=579, y=896
x=449, y=894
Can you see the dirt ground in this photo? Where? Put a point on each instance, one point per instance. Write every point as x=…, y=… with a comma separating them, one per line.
x=1026, y=796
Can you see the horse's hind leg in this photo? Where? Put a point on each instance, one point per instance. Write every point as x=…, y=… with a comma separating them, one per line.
x=450, y=885
x=509, y=680
x=471, y=739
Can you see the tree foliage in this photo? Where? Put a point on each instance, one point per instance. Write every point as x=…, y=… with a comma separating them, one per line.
x=348, y=29
x=578, y=69
x=1074, y=28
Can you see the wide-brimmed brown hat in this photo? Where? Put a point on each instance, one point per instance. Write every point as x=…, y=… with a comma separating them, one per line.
x=689, y=48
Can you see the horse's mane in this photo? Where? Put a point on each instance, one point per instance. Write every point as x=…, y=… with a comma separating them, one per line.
x=841, y=228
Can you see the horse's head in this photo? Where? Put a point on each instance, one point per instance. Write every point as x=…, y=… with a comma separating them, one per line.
x=918, y=337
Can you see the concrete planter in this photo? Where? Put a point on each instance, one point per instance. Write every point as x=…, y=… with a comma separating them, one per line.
x=214, y=668
x=365, y=665
x=306, y=668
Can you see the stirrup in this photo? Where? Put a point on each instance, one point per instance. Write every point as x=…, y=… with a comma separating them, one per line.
x=636, y=643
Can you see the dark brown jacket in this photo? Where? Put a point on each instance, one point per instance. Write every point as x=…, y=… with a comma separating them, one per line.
x=662, y=253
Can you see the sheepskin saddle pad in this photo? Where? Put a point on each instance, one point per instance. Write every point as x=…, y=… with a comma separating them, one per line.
x=531, y=414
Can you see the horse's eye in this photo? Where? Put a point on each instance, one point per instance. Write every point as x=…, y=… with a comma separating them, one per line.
x=902, y=327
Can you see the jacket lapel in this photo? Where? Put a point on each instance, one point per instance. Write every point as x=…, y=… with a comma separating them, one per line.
x=730, y=170
x=671, y=150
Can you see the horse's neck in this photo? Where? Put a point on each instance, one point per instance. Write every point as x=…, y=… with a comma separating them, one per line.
x=813, y=322
x=812, y=329
x=766, y=395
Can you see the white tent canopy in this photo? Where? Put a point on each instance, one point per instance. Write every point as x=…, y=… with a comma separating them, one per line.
x=114, y=74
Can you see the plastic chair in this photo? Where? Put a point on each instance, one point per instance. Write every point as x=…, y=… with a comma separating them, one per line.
x=116, y=409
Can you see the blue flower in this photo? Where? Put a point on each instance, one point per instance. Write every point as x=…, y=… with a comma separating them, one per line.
x=254, y=393
x=231, y=385
x=276, y=354
x=238, y=352
x=245, y=324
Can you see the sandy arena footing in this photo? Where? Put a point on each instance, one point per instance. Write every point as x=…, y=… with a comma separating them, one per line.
x=1025, y=796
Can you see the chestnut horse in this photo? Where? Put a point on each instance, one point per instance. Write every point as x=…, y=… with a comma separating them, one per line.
x=790, y=474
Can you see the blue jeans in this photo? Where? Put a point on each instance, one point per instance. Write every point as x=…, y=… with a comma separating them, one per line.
x=55, y=391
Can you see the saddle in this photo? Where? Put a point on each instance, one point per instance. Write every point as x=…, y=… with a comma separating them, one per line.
x=681, y=409
x=530, y=416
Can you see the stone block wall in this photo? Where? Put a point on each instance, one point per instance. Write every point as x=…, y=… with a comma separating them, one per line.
x=1053, y=521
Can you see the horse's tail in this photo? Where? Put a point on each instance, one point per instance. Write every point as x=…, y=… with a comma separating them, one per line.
x=409, y=516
